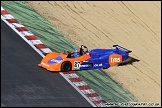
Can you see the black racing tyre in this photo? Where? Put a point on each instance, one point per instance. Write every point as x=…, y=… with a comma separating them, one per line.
x=66, y=66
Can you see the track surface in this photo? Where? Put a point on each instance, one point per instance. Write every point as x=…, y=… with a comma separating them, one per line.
x=23, y=83
x=102, y=83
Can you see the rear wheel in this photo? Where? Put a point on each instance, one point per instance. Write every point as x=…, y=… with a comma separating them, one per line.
x=66, y=66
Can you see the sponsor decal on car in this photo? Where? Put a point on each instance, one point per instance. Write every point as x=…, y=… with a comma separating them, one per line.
x=96, y=65
x=55, y=60
x=85, y=61
x=114, y=59
x=86, y=65
x=77, y=65
x=44, y=64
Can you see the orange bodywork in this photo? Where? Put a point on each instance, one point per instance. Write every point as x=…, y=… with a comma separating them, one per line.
x=57, y=66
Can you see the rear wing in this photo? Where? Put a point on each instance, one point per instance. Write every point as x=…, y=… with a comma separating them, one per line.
x=122, y=49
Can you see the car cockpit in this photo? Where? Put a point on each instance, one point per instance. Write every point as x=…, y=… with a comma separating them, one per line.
x=78, y=52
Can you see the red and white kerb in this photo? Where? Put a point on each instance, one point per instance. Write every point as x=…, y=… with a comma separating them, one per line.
x=71, y=77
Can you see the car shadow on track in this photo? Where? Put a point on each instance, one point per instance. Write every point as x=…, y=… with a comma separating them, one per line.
x=130, y=60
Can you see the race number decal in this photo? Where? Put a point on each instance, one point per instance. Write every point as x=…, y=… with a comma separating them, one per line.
x=77, y=64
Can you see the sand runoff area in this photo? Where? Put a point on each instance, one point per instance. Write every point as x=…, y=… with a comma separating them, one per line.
x=135, y=25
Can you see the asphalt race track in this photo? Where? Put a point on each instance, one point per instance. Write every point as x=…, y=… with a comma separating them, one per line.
x=23, y=83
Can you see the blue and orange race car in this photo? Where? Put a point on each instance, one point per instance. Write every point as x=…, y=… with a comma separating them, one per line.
x=82, y=59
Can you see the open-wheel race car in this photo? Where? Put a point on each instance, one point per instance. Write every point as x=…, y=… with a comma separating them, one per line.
x=83, y=59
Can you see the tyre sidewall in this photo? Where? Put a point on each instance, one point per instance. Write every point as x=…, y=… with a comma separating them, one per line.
x=63, y=68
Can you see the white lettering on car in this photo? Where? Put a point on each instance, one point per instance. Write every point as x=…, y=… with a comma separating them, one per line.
x=96, y=65
x=45, y=64
x=77, y=64
x=116, y=60
x=54, y=60
x=84, y=65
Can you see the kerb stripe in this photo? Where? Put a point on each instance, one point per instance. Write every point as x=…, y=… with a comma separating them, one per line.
x=12, y=20
x=75, y=79
x=31, y=37
x=84, y=87
x=22, y=29
x=40, y=46
x=4, y=12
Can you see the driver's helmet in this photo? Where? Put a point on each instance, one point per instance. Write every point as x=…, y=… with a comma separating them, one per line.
x=76, y=53
x=76, y=50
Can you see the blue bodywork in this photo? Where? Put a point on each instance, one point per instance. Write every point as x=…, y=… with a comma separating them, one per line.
x=100, y=57
x=55, y=60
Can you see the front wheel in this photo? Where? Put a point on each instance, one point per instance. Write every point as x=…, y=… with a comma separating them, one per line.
x=66, y=66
